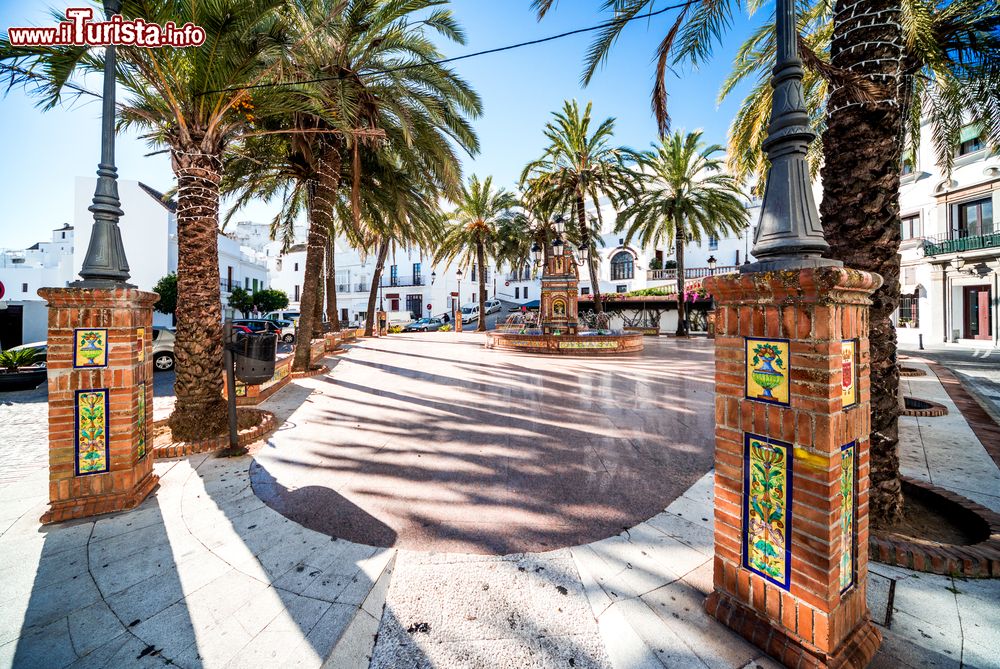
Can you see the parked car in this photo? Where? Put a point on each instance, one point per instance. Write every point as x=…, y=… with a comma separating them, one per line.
x=163, y=349
x=424, y=325
x=292, y=316
x=493, y=305
x=400, y=318
x=284, y=329
x=470, y=313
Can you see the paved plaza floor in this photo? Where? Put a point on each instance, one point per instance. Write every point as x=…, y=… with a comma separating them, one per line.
x=420, y=442
x=208, y=572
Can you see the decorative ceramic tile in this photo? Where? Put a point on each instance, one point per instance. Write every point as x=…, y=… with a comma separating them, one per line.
x=140, y=447
x=848, y=513
x=140, y=337
x=767, y=496
x=90, y=348
x=767, y=370
x=849, y=375
x=588, y=344
x=91, y=431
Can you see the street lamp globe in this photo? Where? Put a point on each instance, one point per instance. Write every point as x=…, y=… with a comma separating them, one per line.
x=711, y=262
x=560, y=225
x=458, y=275
x=584, y=253
x=434, y=277
x=536, y=254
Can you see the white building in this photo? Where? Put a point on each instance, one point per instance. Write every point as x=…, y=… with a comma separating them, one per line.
x=950, y=275
x=149, y=234
x=23, y=316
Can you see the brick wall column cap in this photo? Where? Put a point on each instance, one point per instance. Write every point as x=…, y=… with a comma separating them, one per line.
x=812, y=285
x=98, y=297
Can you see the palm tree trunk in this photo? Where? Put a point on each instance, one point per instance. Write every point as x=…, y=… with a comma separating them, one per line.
x=315, y=243
x=679, y=243
x=333, y=313
x=595, y=286
x=481, y=261
x=383, y=251
x=320, y=290
x=200, y=411
x=860, y=211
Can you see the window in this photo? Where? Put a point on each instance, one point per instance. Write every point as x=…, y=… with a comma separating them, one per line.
x=713, y=243
x=343, y=315
x=621, y=288
x=256, y=285
x=908, y=163
x=585, y=290
x=909, y=311
x=394, y=277
x=909, y=275
x=229, y=278
x=415, y=305
x=517, y=293
x=525, y=292
x=296, y=267
x=622, y=266
x=473, y=272
x=971, y=140
x=297, y=296
x=910, y=227
x=417, y=279
x=62, y=235
x=24, y=288
x=246, y=282
x=973, y=219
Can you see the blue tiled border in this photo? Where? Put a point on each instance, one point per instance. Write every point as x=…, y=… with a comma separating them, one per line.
x=746, y=363
x=76, y=430
x=747, y=436
x=107, y=348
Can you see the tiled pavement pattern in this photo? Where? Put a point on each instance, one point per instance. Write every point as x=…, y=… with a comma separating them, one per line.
x=205, y=575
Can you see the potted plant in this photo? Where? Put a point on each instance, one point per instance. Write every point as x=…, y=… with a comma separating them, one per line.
x=19, y=371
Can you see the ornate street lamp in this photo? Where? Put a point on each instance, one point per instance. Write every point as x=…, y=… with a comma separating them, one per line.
x=711, y=264
x=105, y=265
x=458, y=274
x=584, y=251
x=790, y=235
x=560, y=225
x=433, y=276
x=536, y=254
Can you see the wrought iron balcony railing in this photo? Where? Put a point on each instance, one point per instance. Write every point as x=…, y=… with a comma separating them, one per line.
x=402, y=281
x=957, y=242
x=689, y=273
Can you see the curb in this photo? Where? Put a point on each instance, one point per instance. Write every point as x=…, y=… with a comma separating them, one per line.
x=308, y=374
x=980, y=560
x=267, y=425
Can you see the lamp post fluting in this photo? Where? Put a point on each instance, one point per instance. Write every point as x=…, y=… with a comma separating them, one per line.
x=789, y=235
x=105, y=265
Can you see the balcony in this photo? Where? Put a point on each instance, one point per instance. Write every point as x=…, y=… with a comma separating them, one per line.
x=403, y=281
x=957, y=242
x=689, y=273
x=356, y=287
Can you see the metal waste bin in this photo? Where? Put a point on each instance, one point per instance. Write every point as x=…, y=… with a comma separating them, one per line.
x=254, y=354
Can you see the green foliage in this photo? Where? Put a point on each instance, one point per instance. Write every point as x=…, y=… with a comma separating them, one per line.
x=655, y=263
x=241, y=300
x=669, y=264
x=270, y=299
x=445, y=328
x=166, y=288
x=15, y=359
x=395, y=329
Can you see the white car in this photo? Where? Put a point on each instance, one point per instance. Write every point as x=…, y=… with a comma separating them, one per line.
x=493, y=305
x=470, y=313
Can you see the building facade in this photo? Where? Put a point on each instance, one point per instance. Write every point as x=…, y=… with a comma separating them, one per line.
x=950, y=253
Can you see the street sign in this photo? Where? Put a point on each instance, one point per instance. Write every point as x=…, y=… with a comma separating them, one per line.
x=2, y=290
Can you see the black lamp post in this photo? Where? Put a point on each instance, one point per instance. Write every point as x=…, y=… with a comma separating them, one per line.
x=458, y=274
x=105, y=265
x=711, y=265
x=789, y=235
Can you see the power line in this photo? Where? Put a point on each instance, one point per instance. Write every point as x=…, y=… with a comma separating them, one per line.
x=475, y=54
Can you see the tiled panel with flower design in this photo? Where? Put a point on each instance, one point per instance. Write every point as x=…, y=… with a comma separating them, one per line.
x=848, y=514
x=767, y=502
x=141, y=423
x=90, y=348
x=91, y=431
x=767, y=370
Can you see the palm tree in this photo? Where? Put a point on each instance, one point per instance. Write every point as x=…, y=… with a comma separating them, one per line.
x=686, y=197
x=356, y=53
x=474, y=234
x=579, y=166
x=195, y=103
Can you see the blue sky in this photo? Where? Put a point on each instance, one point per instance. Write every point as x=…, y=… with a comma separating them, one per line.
x=44, y=152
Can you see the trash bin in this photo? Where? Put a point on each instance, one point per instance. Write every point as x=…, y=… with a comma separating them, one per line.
x=254, y=354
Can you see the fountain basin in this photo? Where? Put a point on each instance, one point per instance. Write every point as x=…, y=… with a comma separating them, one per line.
x=579, y=344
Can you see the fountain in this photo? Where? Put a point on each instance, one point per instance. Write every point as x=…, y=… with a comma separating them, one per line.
x=556, y=329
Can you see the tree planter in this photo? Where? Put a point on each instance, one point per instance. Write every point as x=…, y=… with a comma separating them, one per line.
x=22, y=379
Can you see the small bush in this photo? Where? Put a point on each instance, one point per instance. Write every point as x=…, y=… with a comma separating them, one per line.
x=22, y=357
x=395, y=329
x=444, y=328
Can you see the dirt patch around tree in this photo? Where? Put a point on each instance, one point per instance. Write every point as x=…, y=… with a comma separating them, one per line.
x=245, y=419
x=924, y=523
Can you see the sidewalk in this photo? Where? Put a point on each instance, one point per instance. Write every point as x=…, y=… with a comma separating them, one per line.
x=204, y=574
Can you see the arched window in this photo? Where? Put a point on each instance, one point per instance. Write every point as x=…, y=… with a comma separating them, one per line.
x=622, y=266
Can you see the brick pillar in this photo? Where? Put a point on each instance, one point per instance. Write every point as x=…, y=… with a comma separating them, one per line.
x=792, y=414
x=100, y=400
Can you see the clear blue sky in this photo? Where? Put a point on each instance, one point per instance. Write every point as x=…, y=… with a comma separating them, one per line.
x=44, y=152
